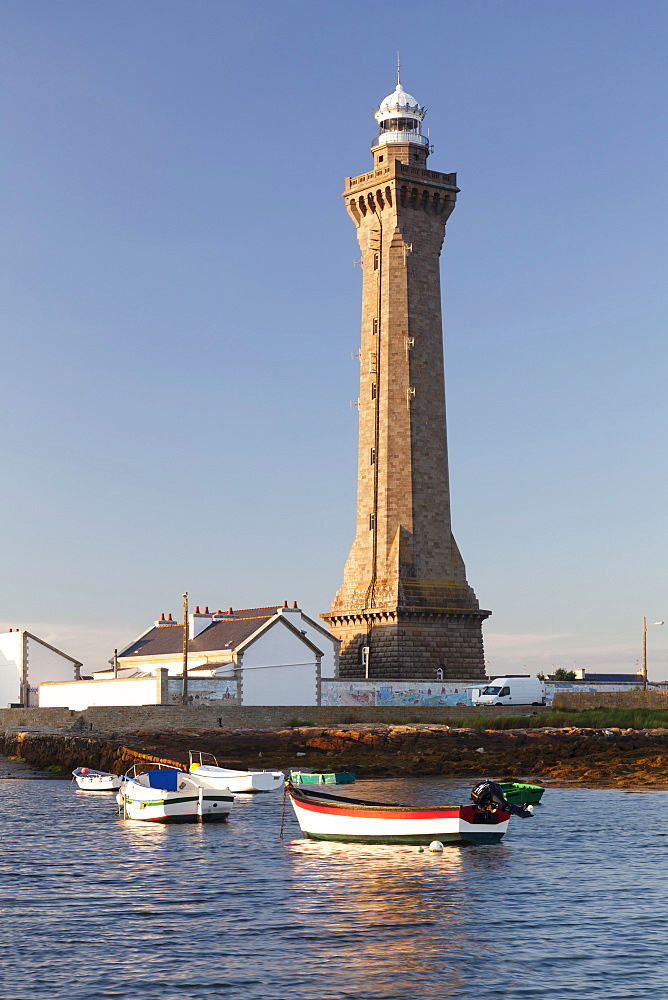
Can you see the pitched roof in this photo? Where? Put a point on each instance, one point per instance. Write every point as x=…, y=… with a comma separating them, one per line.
x=257, y=612
x=227, y=634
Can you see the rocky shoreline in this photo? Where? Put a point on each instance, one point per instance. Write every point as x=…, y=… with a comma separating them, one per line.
x=611, y=757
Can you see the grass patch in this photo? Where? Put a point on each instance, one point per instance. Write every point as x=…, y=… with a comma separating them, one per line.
x=613, y=718
x=594, y=718
x=297, y=723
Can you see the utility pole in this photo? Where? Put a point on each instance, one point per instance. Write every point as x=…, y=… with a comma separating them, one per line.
x=184, y=693
x=115, y=664
x=644, y=650
x=644, y=653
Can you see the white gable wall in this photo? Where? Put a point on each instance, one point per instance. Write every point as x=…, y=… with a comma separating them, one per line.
x=279, y=669
x=321, y=639
x=10, y=669
x=42, y=665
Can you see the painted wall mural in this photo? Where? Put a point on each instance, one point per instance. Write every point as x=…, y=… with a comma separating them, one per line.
x=202, y=690
x=386, y=694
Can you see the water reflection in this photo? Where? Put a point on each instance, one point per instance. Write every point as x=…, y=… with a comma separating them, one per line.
x=406, y=913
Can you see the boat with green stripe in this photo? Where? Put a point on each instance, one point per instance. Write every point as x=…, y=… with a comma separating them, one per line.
x=165, y=794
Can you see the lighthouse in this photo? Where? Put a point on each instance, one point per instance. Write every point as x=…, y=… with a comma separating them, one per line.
x=405, y=609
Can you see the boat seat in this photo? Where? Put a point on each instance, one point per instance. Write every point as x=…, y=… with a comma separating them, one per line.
x=164, y=779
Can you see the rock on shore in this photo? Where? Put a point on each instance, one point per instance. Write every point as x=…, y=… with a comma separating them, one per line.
x=627, y=758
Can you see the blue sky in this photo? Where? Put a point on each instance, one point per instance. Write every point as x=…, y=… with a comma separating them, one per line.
x=180, y=307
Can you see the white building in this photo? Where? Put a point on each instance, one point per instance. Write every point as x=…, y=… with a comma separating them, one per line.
x=217, y=637
x=26, y=661
x=259, y=656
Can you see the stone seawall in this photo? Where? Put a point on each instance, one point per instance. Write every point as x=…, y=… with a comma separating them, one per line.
x=43, y=750
x=624, y=758
x=174, y=717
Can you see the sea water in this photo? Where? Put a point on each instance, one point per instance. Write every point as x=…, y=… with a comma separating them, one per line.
x=571, y=904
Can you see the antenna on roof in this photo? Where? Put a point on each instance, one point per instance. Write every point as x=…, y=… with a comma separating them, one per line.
x=398, y=69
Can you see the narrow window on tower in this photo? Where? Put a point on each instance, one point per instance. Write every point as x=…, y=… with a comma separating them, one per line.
x=373, y=457
x=372, y=522
x=376, y=259
x=375, y=327
x=373, y=390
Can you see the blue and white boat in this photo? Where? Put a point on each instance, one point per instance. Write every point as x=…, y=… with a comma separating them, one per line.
x=164, y=794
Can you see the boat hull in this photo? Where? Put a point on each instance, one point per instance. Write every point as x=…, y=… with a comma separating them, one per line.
x=221, y=778
x=367, y=824
x=97, y=781
x=180, y=811
x=322, y=778
x=191, y=805
x=522, y=794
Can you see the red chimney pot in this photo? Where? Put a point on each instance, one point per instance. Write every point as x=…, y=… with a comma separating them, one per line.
x=294, y=604
x=162, y=617
x=206, y=610
x=229, y=611
x=197, y=609
x=285, y=604
x=169, y=617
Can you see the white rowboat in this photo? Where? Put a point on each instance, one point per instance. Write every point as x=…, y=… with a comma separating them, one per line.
x=90, y=780
x=211, y=776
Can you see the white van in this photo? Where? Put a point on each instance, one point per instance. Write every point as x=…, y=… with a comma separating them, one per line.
x=521, y=690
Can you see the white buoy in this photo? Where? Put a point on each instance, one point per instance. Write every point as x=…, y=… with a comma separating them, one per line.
x=435, y=846
x=530, y=809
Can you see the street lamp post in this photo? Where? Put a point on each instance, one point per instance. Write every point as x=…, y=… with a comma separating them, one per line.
x=644, y=650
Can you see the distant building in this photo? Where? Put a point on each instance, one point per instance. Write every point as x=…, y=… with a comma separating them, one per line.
x=584, y=675
x=26, y=661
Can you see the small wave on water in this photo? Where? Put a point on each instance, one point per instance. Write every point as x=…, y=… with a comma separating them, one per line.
x=572, y=903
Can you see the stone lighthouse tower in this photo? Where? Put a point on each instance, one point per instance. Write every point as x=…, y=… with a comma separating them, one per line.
x=405, y=609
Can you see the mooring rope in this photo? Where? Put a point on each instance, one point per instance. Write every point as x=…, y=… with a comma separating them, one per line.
x=285, y=795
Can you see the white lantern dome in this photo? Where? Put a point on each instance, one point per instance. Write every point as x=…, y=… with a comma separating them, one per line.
x=399, y=119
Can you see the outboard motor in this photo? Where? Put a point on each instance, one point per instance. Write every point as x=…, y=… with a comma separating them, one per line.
x=488, y=797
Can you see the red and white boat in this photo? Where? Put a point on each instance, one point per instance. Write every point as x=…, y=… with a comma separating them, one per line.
x=334, y=817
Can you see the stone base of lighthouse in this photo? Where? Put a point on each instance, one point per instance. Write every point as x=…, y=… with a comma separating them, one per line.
x=410, y=643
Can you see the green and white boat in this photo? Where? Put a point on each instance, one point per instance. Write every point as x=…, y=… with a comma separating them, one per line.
x=521, y=793
x=322, y=778
x=166, y=794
